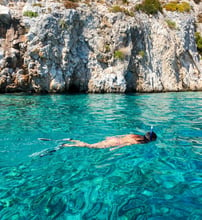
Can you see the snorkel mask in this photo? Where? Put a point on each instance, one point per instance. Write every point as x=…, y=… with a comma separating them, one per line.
x=150, y=136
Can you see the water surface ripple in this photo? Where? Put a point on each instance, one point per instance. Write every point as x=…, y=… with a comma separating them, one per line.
x=159, y=180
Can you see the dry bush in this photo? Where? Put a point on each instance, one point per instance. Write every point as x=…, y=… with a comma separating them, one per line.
x=197, y=1
x=70, y=4
x=199, y=18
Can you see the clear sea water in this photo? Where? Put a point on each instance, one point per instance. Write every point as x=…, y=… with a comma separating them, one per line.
x=159, y=180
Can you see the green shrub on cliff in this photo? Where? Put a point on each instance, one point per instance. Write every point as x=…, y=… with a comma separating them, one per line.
x=171, y=24
x=198, y=38
x=116, y=8
x=176, y=6
x=31, y=14
x=141, y=53
x=149, y=7
x=119, y=55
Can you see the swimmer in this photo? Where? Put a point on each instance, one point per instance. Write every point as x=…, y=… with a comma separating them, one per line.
x=116, y=141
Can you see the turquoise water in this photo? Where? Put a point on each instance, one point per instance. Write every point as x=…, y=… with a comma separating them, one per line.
x=159, y=180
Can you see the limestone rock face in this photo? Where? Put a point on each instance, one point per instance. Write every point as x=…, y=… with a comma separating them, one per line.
x=45, y=47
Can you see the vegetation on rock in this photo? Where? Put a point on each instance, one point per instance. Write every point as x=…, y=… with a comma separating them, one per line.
x=197, y=1
x=199, y=18
x=72, y=4
x=149, y=7
x=178, y=6
x=117, y=8
x=37, y=5
x=198, y=38
x=119, y=55
x=30, y=14
x=141, y=53
x=171, y=24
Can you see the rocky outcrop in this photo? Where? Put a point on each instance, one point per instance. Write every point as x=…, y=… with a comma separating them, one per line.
x=90, y=49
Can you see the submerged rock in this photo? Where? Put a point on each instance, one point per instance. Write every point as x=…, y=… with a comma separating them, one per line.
x=45, y=47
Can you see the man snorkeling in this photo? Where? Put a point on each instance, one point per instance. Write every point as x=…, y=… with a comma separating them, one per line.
x=116, y=141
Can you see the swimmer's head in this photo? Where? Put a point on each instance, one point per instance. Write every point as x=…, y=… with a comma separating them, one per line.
x=150, y=136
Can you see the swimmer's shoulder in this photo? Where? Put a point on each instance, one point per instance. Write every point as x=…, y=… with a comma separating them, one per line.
x=135, y=136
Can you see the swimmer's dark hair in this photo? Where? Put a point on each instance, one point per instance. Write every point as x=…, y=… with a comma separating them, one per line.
x=150, y=136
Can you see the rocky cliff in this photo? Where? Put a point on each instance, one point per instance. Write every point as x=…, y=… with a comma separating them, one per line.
x=52, y=46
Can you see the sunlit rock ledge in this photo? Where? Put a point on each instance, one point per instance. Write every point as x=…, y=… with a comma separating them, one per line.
x=46, y=48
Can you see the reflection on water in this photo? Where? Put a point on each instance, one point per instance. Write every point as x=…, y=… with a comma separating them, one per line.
x=159, y=180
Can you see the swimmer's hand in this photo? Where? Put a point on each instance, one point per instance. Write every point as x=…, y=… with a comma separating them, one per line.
x=47, y=139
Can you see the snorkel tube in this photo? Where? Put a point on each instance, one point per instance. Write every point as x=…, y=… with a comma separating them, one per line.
x=151, y=131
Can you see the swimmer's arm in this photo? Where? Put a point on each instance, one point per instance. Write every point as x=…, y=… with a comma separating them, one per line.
x=120, y=146
x=76, y=143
